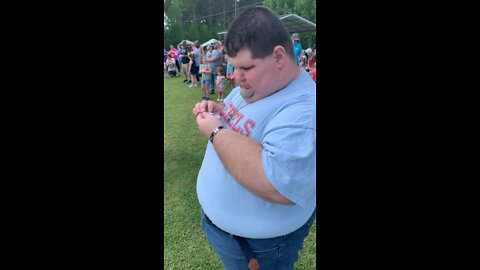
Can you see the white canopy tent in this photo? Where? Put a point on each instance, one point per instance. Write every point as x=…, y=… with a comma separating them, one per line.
x=293, y=23
x=297, y=24
x=209, y=42
x=187, y=41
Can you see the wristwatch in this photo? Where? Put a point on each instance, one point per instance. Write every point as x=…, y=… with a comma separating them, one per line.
x=215, y=131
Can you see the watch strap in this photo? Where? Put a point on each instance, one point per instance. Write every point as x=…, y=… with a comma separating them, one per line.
x=215, y=131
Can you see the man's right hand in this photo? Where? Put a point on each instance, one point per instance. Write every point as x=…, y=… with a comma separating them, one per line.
x=208, y=106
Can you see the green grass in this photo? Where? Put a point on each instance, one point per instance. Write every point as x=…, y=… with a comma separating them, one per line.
x=185, y=246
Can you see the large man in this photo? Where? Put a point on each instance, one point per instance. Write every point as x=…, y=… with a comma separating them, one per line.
x=256, y=185
x=215, y=61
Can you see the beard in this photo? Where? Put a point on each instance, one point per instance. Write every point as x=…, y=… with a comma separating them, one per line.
x=246, y=94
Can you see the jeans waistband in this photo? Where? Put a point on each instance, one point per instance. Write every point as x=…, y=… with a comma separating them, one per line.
x=242, y=242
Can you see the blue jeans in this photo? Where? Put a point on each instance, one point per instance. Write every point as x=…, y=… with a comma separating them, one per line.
x=214, y=76
x=279, y=253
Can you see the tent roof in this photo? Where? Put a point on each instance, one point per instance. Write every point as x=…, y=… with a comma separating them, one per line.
x=293, y=23
x=210, y=41
x=297, y=24
x=187, y=41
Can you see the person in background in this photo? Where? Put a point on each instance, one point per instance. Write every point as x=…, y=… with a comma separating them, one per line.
x=297, y=47
x=313, y=72
x=185, y=62
x=172, y=72
x=200, y=48
x=178, y=60
x=206, y=71
x=308, y=51
x=215, y=60
x=197, y=57
x=303, y=60
x=256, y=186
x=311, y=61
x=208, y=53
x=173, y=54
x=172, y=51
x=230, y=72
x=165, y=54
x=193, y=70
x=220, y=83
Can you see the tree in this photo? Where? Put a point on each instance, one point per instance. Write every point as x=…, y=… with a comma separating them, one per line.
x=202, y=20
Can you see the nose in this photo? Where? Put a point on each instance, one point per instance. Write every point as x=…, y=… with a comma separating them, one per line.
x=239, y=75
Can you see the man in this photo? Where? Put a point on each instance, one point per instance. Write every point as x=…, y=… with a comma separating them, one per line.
x=208, y=53
x=197, y=57
x=215, y=61
x=297, y=47
x=185, y=62
x=256, y=185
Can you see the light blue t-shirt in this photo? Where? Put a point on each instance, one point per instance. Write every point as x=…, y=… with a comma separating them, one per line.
x=285, y=125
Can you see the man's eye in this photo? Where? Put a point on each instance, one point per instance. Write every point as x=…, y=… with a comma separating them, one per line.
x=248, y=68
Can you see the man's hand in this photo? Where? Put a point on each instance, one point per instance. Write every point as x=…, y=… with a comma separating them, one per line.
x=207, y=123
x=208, y=106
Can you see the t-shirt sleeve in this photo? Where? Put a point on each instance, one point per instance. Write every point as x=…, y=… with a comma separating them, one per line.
x=289, y=153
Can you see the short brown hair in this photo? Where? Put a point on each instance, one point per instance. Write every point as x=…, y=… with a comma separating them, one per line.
x=260, y=30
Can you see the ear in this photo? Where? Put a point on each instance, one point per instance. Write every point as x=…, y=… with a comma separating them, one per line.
x=279, y=56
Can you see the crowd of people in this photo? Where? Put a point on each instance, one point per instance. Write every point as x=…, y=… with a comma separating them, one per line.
x=202, y=69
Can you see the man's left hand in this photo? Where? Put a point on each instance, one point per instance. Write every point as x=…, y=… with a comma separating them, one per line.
x=207, y=123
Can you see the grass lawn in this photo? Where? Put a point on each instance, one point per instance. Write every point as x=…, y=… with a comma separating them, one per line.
x=185, y=246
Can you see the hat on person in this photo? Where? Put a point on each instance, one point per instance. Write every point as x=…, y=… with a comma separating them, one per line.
x=295, y=36
x=308, y=51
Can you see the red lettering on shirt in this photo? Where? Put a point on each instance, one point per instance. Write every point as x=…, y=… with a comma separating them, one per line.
x=229, y=113
x=248, y=123
x=237, y=116
x=233, y=118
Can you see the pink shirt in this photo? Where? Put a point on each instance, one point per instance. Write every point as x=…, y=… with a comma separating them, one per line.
x=220, y=81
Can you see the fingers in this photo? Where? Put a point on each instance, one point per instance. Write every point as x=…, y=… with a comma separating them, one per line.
x=211, y=106
x=200, y=116
x=207, y=106
x=204, y=106
x=196, y=109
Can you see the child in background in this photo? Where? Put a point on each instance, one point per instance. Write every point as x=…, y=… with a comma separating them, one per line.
x=171, y=67
x=220, y=83
x=206, y=77
x=230, y=72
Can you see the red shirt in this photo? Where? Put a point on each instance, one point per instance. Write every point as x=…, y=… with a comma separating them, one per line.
x=173, y=52
x=314, y=75
x=310, y=63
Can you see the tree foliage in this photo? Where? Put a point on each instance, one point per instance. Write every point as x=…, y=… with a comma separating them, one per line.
x=203, y=19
